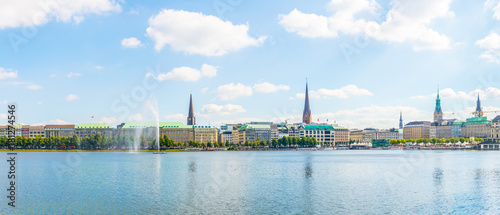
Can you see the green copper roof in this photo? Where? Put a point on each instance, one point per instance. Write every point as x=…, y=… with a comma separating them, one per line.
x=438, y=103
x=477, y=120
x=255, y=126
x=318, y=127
x=92, y=125
x=458, y=123
x=153, y=124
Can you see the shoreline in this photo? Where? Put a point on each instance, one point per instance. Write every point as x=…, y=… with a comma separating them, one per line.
x=245, y=150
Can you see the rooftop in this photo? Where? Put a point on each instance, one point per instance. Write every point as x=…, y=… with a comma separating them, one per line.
x=477, y=120
x=256, y=126
x=60, y=126
x=153, y=124
x=318, y=127
x=496, y=119
x=92, y=125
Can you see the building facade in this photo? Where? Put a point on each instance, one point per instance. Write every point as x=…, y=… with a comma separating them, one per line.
x=495, y=129
x=37, y=131
x=341, y=136
x=456, y=129
x=205, y=134
x=254, y=132
x=417, y=130
x=477, y=127
x=83, y=130
x=324, y=134
x=387, y=134
x=59, y=130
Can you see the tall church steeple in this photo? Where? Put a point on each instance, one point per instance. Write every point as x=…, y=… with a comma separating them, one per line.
x=479, y=111
x=306, y=117
x=400, y=120
x=438, y=113
x=191, y=119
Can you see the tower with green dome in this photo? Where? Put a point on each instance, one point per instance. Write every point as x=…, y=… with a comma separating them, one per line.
x=438, y=112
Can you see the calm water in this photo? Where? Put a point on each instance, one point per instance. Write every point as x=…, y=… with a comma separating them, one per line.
x=317, y=182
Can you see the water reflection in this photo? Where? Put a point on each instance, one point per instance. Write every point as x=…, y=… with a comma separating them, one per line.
x=438, y=194
x=192, y=166
x=308, y=171
x=437, y=176
x=191, y=188
x=307, y=201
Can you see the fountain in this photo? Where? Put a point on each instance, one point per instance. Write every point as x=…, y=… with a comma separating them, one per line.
x=153, y=106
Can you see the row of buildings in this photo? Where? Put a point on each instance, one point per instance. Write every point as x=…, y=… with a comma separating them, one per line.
x=178, y=132
x=476, y=126
x=328, y=134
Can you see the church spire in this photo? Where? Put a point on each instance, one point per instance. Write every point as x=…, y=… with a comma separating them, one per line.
x=306, y=117
x=191, y=119
x=438, y=112
x=479, y=112
x=400, y=120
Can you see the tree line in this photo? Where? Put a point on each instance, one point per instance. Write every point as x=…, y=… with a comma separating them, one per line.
x=435, y=141
x=102, y=142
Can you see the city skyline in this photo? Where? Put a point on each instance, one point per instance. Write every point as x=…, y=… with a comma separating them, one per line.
x=93, y=61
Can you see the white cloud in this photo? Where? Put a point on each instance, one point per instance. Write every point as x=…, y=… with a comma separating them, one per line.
x=58, y=122
x=108, y=120
x=39, y=102
x=7, y=73
x=211, y=110
x=3, y=116
x=373, y=116
x=52, y=75
x=176, y=117
x=307, y=25
x=492, y=45
x=74, y=74
x=131, y=42
x=196, y=33
x=34, y=12
x=187, y=73
x=71, y=97
x=99, y=67
x=4, y=102
x=34, y=87
x=232, y=91
x=494, y=5
x=137, y=117
x=208, y=70
x=488, y=93
x=269, y=88
x=343, y=93
x=407, y=20
x=204, y=90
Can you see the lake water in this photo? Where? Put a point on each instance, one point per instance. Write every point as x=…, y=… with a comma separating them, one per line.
x=286, y=182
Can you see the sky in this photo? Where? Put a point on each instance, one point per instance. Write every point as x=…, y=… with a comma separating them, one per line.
x=77, y=61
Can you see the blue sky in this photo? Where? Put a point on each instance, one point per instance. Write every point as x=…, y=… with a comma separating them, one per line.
x=244, y=61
